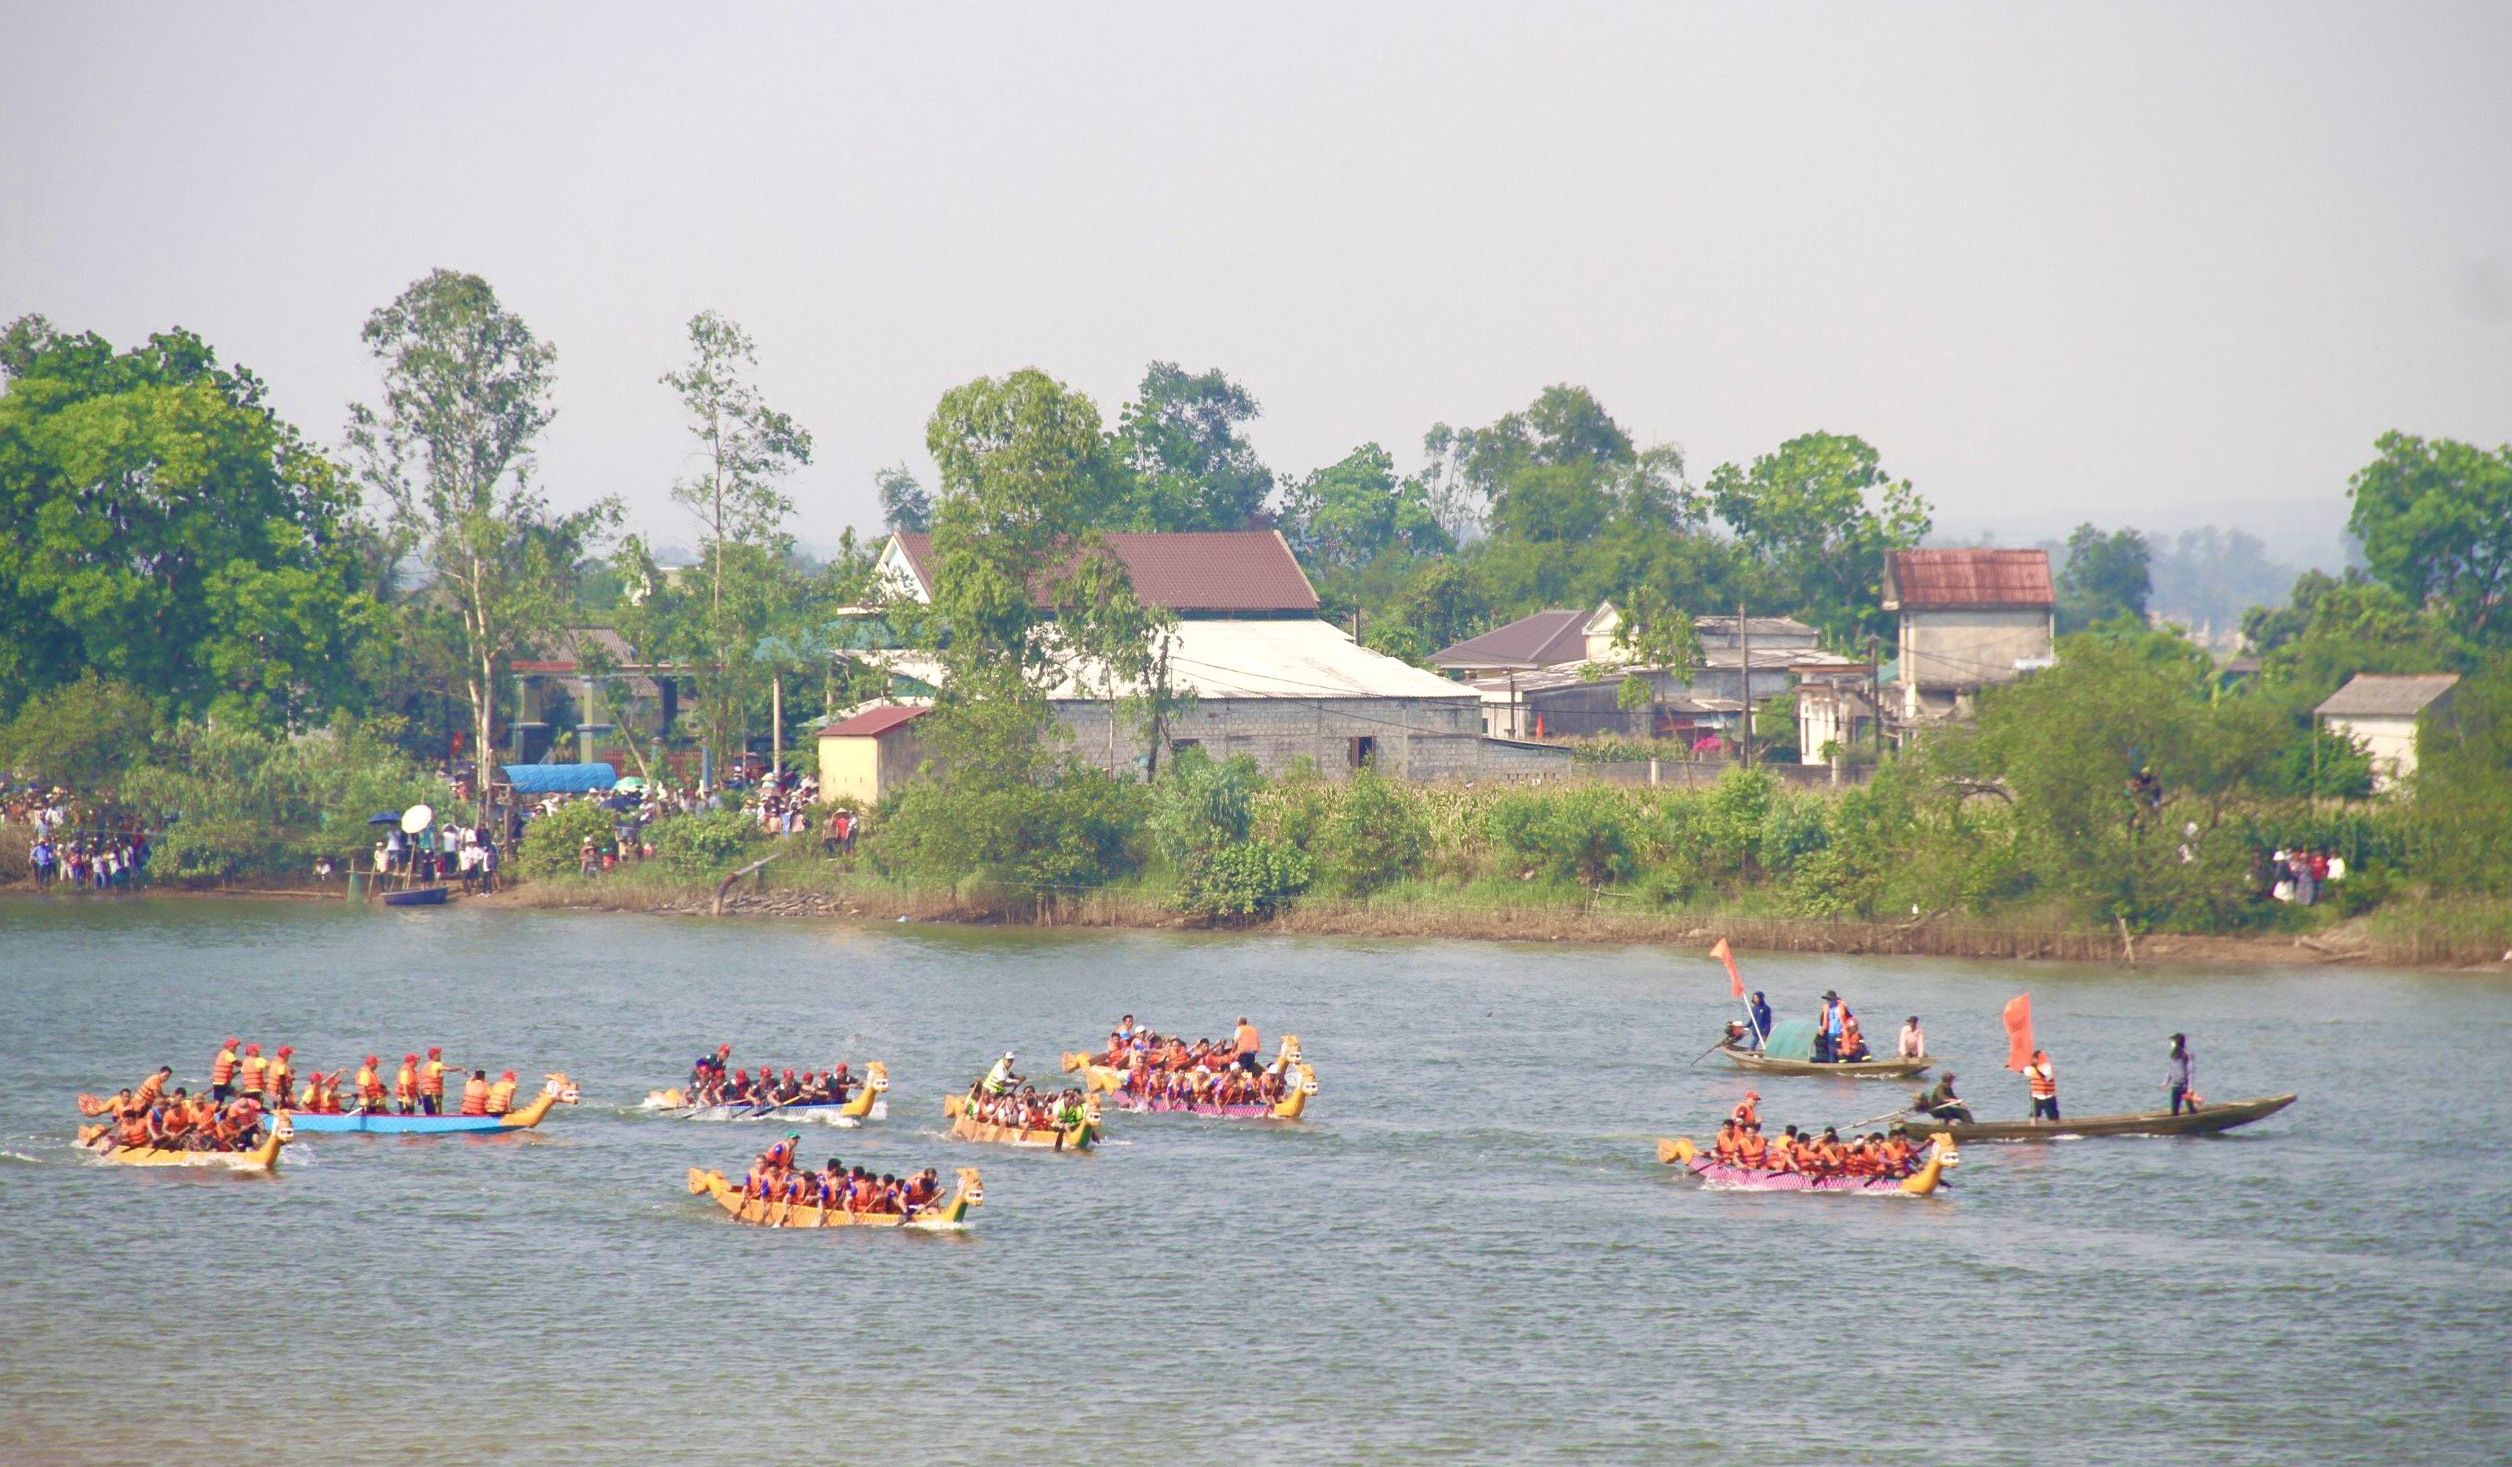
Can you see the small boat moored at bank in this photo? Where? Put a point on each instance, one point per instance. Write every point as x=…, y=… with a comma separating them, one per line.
x=2204, y=1120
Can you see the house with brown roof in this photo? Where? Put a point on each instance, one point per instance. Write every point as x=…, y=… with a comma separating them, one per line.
x=870, y=753
x=1223, y=574
x=1969, y=619
x=2380, y=712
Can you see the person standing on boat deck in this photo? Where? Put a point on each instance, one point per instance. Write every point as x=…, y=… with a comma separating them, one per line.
x=1761, y=1010
x=2180, y=1075
x=1914, y=1042
x=432, y=1084
x=406, y=1086
x=2041, y=1078
x=1000, y=1078
x=1828, y=1021
x=1249, y=1045
x=222, y=1073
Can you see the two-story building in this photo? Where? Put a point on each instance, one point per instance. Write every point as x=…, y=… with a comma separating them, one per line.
x=1969, y=619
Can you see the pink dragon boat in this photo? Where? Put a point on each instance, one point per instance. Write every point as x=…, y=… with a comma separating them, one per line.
x=1921, y=1183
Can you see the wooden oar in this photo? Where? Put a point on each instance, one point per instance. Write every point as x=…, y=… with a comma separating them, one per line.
x=1705, y=1054
x=1871, y=1120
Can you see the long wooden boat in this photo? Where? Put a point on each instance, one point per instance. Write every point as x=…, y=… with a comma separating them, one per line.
x=559, y=1091
x=870, y=1103
x=951, y=1212
x=1679, y=1151
x=263, y=1158
x=1080, y=1136
x=417, y=896
x=2207, y=1120
x=1288, y=1108
x=1891, y=1069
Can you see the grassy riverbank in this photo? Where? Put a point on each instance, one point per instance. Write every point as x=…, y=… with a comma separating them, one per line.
x=2457, y=936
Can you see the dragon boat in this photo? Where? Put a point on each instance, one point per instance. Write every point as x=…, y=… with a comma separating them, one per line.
x=951, y=1212
x=1079, y=1136
x=263, y=1158
x=1679, y=1151
x=1117, y=1084
x=558, y=1091
x=2206, y=1120
x=871, y=1103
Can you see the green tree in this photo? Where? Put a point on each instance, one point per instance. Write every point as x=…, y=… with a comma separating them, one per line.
x=449, y=449
x=2103, y=578
x=744, y=448
x=1655, y=634
x=2335, y=627
x=161, y=527
x=80, y=736
x=2463, y=787
x=1822, y=511
x=904, y=503
x=2435, y=520
x=1190, y=466
x=1352, y=511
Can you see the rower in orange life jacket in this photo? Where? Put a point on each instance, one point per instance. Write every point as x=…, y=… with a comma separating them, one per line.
x=1724, y=1149
x=1751, y=1149
x=275, y=1079
x=254, y=1068
x=432, y=1084
x=475, y=1094
x=369, y=1088
x=406, y=1085
x=153, y=1086
x=501, y=1094
x=1748, y=1110
x=222, y=1071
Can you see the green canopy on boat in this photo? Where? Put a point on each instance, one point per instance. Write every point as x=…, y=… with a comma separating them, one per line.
x=1791, y=1039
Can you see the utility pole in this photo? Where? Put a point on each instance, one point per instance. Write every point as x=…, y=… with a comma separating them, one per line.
x=776, y=722
x=1744, y=659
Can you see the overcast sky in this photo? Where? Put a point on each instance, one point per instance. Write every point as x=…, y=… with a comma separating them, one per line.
x=2136, y=264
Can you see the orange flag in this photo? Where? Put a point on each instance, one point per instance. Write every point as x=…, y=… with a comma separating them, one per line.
x=2019, y=1032
x=1735, y=980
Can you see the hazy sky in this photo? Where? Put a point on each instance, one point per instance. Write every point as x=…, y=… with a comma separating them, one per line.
x=2139, y=264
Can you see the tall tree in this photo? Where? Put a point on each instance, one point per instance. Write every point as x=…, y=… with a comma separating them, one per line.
x=1192, y=468
x=1657, y=635
x=161, y=526
x=743, y=450
x=1351, y=511
x=2103, y=578
x=2435, y=520
x=1822, y=512
x=904, y=503
x=449, y=450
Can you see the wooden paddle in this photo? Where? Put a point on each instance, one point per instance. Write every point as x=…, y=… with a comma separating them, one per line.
x=1705, y=1054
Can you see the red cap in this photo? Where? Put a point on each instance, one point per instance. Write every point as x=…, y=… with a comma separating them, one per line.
x=433, y=1052
x=719, y=1049
x=284, y=1049
x=789, y=1072
x=741, y=1074
x=507, y=1076
x=232, y=1042
x=409, y=1059
x=370, y=1059
x=252, y=1049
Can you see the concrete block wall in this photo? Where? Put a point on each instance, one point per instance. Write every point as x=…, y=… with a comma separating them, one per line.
x=1421, y=739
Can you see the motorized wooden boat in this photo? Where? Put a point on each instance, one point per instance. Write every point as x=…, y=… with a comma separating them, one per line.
x=1080, y=1136
x=262, y=1158
x=951, y=1212
x=558, y=1091
x=1303, y=1084
x=1892, y=1069
x=417, y=896
x=1679, y=1151
x=870, y=1103
x=2206, y=1120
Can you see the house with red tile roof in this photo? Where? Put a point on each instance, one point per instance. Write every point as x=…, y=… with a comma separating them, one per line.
x=1969, y=619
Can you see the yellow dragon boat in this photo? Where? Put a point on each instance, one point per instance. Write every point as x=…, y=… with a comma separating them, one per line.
x=951, y=1212
x=1079, y=1136
x=1115, y=1083
x=263, y=1158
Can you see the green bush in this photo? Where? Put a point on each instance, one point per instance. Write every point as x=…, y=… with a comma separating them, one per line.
x=1080, y=829
x=552, y=843
x=1252, y=879
x=1203, y=805
x=237, y=802
x=1586, y=833
x=707, y=842
x=1377, y=835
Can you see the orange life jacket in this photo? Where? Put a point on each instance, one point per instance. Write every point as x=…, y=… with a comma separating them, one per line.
x=1725, y=1148
x=150, y=1089
x=432, y=1078
x=370, y=1087
x=501, y=1097
x=406, y=1084
x=1753, y=1151
x=223, y=1068
x=1746, y=1113
x=275, y=1079
x=2043, y=1078
x=254, y=1068
x=475, y=1097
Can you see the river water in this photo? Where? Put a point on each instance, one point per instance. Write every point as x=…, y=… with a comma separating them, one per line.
x=1467, y=1251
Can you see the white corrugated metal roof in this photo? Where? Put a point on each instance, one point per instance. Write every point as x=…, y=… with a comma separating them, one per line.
x=1296, y=658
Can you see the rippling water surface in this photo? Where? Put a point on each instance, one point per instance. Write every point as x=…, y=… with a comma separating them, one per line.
x=1468, y=1250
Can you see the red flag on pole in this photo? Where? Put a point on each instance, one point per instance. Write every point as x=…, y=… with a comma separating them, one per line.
x=2019, y=1032
x=1735, y=980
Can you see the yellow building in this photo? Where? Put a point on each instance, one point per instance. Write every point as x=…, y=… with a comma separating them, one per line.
x=870, y=754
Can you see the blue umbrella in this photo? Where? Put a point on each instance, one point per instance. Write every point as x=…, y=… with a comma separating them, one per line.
x=387, y=818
